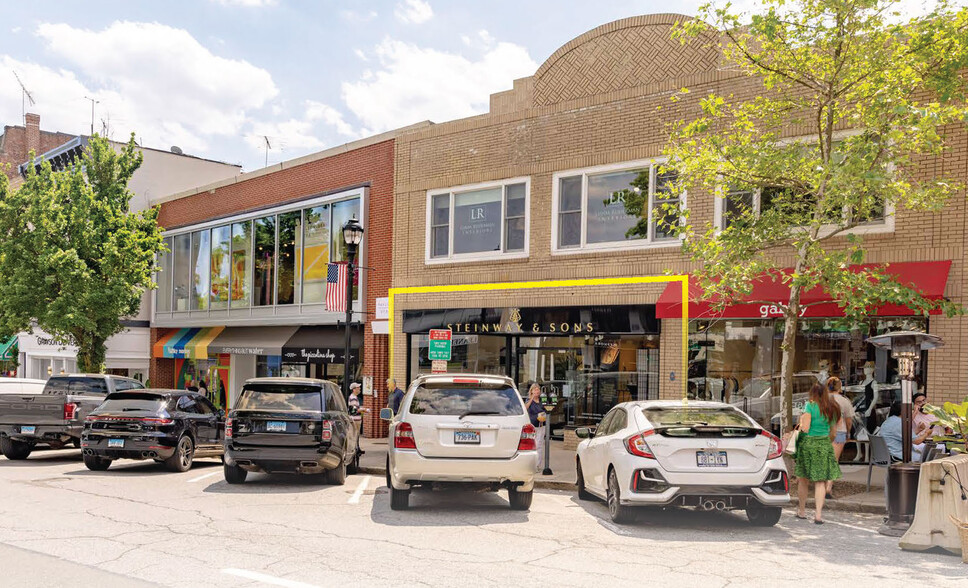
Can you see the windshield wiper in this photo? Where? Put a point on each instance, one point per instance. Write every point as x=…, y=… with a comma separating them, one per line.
x=477, y=413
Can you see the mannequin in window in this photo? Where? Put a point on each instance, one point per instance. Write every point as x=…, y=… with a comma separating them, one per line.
x=730, y=383
x=872, y=394
x=824, y=372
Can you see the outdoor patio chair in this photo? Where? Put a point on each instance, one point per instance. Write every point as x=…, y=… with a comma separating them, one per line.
x=880, y=456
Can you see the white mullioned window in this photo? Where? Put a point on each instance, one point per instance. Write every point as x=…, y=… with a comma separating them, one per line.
x=478, y=222
x=589, y=211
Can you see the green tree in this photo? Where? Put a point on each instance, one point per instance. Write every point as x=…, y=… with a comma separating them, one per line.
x=72, y=255
x=852, y=97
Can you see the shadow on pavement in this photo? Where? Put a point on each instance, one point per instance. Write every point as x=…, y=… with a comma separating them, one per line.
x=42, y=458
x=136, y=468
x=446, y=508
x=257, y=483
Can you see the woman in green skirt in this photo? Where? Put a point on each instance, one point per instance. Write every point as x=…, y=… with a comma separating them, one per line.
x=815, y=452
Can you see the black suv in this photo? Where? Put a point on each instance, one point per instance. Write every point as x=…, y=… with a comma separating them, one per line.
x=170, y=426
x=294, y=425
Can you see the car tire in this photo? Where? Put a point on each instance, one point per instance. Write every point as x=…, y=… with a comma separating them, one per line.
x=181, y=459
x=520, y=500
x=618, y=512
x=15, y=450
x=763, y=516
x=96, y=464
x=76, y=443
x=583, y=494
x=354, y=465
x=399, y=499
x=337, y=475
x=234, y=474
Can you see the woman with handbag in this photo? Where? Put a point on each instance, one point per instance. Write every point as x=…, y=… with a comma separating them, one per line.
x=814, y=457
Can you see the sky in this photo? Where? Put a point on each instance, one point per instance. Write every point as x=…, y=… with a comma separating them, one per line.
x=222, y=78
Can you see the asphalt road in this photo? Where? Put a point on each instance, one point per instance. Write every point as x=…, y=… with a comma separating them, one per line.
x=137, y=525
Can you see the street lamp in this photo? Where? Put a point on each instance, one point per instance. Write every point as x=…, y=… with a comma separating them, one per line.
x=902, y=478
x=352, y=236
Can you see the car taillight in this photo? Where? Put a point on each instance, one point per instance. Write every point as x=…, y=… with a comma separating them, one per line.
x=528, y=437
x=70, y=411
x=153, y=421
x=466, y=381
x=327, y=434
x=776, y=446
x=637, y=445
x=403, y=437
x=228, y=428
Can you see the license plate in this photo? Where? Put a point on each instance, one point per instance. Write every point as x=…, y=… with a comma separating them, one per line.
x=275, y=426
x=115, y=443
x=28, y=430
x=467, y=437
x=711, y=459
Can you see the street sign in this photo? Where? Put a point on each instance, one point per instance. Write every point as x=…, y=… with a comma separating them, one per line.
x=438, y=366
x=439, y=347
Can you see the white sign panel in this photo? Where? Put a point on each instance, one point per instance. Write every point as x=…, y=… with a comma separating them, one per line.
x=438, y=366
x=380, y=327
x=367, y=385
x=382, y=308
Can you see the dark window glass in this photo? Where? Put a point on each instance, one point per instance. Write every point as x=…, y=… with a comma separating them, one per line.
x=204, y=406
x=660, y=417
x=187, y=404
x=263, y=279
x=457, y=399
x=290, y=249
x=607, y=221
x=440, y=226
x=342, y=212
x=477, y=221
x=130, y=404
x=569, y=212
x=619, y=421
x=666, y=213
x=735, y=205
x=60, y=385
x=120, y=385
x=514, y=218
x=279, y=397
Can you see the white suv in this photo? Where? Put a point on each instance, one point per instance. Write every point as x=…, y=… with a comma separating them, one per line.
x=462, y=429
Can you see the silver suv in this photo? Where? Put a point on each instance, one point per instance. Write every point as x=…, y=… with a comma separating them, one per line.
x=461, y=429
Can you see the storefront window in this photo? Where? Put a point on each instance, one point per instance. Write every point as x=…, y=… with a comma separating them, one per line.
x=181, y=269
x=268, y=366
x=487, y=220
x=263, y=287
x=316, y=254
x=607, y=220
x=201, y=263
x=163, y=294
x=342, y=213
x=241, y=263
x=221, y=243
x=290, y=252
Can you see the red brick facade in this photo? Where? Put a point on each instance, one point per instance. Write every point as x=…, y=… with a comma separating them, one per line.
x=17, y=142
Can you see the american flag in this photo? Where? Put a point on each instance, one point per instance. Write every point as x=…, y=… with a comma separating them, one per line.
x=336, y=286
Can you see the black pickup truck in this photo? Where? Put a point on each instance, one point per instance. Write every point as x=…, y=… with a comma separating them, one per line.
x=56, y=416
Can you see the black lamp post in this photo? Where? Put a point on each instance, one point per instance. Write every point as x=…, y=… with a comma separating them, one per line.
x=902, y=478
x=352, y=236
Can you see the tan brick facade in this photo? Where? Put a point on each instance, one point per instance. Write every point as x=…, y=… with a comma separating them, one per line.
x=604, y=98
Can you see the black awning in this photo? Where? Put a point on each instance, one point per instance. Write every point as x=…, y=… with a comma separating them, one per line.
x=322, y=344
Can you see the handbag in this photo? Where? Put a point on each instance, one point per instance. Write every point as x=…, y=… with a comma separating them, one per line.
x=790, y=447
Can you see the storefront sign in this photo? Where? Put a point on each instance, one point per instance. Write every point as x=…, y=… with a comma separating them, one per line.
x=380, y=327
x=570, y=320
x=382, y=308
x=315, y=355
x=439, y=349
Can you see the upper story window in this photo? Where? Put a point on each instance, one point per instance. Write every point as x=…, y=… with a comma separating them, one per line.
x=737, y=203
x=269, y=259
x=590, y=209
x=478, y=222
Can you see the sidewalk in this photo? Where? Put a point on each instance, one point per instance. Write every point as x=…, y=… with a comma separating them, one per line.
x=854, y=482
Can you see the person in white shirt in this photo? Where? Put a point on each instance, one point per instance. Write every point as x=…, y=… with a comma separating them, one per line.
x=835, y=389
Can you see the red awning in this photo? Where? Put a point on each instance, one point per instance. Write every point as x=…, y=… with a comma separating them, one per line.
x=929, y=277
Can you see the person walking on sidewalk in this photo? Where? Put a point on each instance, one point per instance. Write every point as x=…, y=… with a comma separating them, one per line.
x=396, y=395
x=835, y=388
x=537, y=415
x=815, y=462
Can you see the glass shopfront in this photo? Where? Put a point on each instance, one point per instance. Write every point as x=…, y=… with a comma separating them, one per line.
x=586, y=359
x=739, y=361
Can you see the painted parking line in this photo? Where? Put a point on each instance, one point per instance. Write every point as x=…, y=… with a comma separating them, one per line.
x=200, y=478
x=355, y=498
x=266, y=578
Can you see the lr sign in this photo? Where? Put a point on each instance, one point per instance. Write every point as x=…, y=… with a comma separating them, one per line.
x=439, y=347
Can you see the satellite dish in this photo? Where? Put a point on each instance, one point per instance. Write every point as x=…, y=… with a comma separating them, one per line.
x=177, y=150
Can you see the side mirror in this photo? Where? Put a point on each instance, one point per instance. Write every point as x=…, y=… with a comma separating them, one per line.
x=583, y=433
x=221, y=413
x=386, y=414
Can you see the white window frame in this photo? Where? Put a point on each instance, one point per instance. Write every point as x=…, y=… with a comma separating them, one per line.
x=451, y=257
x=648, y=242
x=872, y=228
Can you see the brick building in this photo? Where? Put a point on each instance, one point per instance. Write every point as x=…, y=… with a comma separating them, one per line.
x=525, y=192
x=18, y=141
x=242, y=291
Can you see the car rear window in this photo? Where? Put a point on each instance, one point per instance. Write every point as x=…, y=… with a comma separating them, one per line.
x=725, y=417
x=447, y=399
x=132, y=402
x=280, y=397
x=76, y=386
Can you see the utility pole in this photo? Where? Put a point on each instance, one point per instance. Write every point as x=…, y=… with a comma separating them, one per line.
x=93, y=102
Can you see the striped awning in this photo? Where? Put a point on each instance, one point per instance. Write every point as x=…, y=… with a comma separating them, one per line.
x=8, y=348
x=186, y=343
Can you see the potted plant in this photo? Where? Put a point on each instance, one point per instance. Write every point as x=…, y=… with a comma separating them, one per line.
x=953, y=417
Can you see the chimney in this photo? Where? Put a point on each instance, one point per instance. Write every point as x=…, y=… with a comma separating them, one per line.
x=33, y=133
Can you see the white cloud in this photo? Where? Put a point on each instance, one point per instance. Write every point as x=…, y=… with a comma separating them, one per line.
x=414, y=11
x=287, y=137
x=317, y=111
x=248, y=3
x=415, y=84
x=361, y=16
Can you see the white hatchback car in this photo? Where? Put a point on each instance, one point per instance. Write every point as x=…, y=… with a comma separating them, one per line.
x=461, y=429
x=673, y=453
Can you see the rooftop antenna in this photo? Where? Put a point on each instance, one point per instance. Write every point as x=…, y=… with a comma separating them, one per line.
x=24, y=97
x=268, y=147
x=93, y=102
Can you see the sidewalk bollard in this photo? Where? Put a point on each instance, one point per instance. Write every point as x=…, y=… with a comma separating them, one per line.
x=547, y=445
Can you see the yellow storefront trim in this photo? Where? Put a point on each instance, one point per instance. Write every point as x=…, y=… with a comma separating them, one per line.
x=200, y=347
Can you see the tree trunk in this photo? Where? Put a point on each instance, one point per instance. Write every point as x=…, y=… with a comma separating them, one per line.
x=791, y=322
x=91, y=351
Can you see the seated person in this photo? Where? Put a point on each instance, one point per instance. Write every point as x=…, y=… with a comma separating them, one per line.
x=891, y=431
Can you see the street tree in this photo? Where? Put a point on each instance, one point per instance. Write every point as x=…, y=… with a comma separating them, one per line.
x=74, y=259
x=851, y=99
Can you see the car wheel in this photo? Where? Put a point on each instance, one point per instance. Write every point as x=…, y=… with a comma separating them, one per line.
x=96, y=464
x=520, y=500
x=399, y=499
x=234, y=474
x=77, y=443
x=618, y=512
x=15, y=449
x=181, y=459
x=763, y=516
x=582, y=493
x=337, y=475
x=354, y=466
